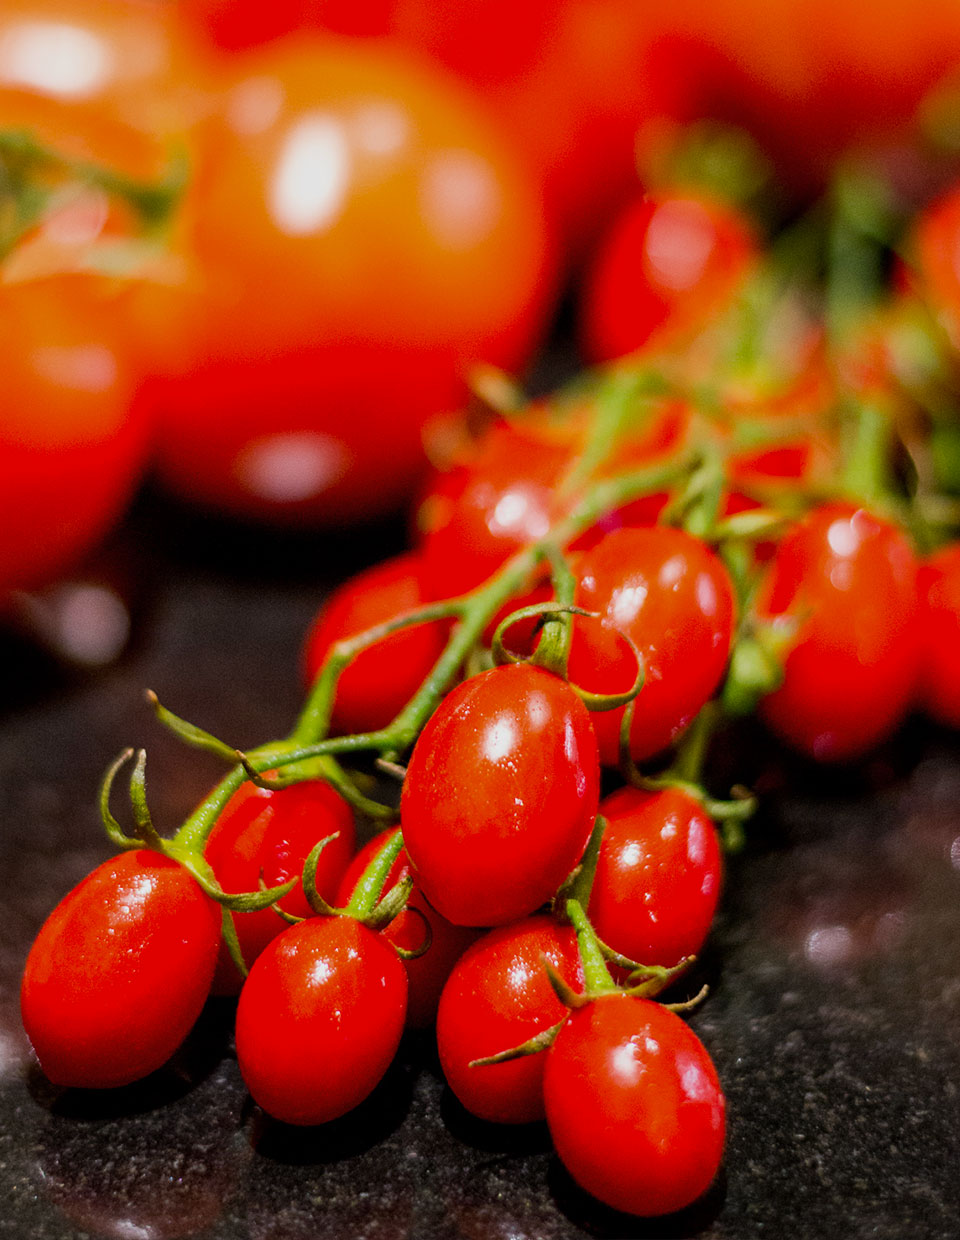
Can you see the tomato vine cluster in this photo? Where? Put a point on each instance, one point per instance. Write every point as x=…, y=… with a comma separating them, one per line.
x=743, y=514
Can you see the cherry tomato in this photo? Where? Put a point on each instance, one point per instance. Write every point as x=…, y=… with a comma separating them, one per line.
x=379, y=682
x=497, y=997
x=426, y=974
x=667, y=592
x=939, y=591
x=502, y=491
x=846, y=581
x=319, y=1019
x=500, y=795
x=364, y=236
x=658, y=876
x=267, y=833
x=634, y=1105
x=119, y=972
x=71, y=448
x=670, y=263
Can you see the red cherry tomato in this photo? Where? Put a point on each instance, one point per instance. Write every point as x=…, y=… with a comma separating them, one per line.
x=267, y=833
x=634, y=1105
x=119, y=972
x=497, y=499
x=658, y=876
x=364, y=236
x=847, y=580
x=673, y=598
x=379, y=682
x=498, y=997
x=939, y=591
x=670, y=263
x=426, y=974
x=71, y=449
x=319, y=1019
x=500, y=795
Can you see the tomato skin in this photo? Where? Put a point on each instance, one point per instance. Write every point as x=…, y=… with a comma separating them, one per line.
x=500, y=795
x=497, y=997
x=346, y=196
x=634, y=1105
x=670, y=262
x=379, y=682
x=269, y=832
x=935, y=241
x=119, y=972
x=848, y=580
x=426, y=974
x=66, y=477
x=658, y=876
x=939, y=590
x=319, y=1019
x=673, y=598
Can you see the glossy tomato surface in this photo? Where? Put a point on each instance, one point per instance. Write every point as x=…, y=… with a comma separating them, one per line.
x=71, y=448
x=319, y=1019
x=667, y=592
x=497, y=997
x=843, y=584
x=670, y=263
x=658, y=876
x=381, y=679
x=268, y=833
x=364, y=236
x=426, y=974
x=119, y=972
x=500, y=795
x=634, y=1105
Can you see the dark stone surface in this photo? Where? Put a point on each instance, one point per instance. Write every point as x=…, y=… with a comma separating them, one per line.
x=833, y=1017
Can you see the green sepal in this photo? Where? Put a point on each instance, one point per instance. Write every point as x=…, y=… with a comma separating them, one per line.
x=138, y=800
x=189, y=733
x=539, y=1042
x=110, y=824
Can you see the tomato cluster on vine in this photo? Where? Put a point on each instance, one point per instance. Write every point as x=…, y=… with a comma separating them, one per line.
x=743, y=512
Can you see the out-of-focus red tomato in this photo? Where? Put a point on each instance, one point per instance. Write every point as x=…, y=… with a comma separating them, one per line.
x=565, y=76
x=935, y=271
x=809, y=77
x=123, y=59
x=364, y=237
x=670, y=263
x=71, y=450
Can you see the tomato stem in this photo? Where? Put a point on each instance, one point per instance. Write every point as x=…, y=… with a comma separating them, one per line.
x=596, y=975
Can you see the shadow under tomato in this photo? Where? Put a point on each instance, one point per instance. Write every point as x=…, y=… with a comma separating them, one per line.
x=509, y=1140
x=352, y=1134
x=601, y=1221
x=192, y=1064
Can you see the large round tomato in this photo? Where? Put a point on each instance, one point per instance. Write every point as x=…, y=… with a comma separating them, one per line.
x=71, y=449
x=364, y=236
x=500, y=795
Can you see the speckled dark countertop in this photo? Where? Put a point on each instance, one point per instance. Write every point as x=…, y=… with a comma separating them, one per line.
x=834, y=1013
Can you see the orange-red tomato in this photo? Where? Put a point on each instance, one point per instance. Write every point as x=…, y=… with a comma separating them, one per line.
x=364, y=236
x=71, y=448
